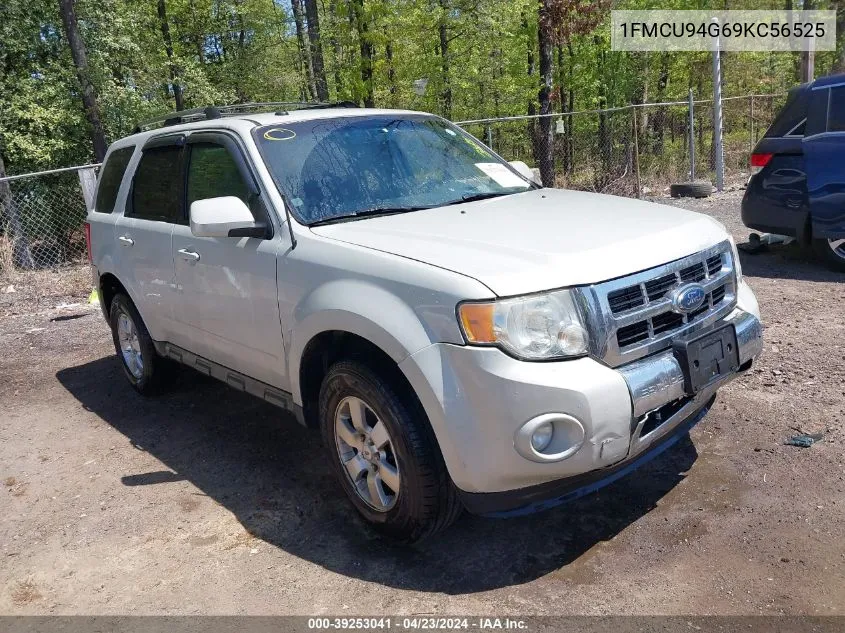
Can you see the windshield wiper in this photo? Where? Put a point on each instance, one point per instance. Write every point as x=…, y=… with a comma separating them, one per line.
x=368, y=213
x=472, y=197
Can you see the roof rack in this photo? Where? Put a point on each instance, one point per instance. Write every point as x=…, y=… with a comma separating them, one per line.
x=237, y=109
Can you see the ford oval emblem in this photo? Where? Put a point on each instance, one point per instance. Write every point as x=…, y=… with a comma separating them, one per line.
x=688, y=298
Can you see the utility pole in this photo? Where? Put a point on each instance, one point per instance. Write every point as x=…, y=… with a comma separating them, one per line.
x=719, y=156
x=808, y=57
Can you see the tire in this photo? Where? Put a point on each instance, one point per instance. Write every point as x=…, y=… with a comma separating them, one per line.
x=146, y=379
x=693, y=189
x=426, y=501
x=832, y=252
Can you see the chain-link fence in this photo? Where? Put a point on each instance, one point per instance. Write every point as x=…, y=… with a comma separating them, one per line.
x=41, y=220
x=632, y=150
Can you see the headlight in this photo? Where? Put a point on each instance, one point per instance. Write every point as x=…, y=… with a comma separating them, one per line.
x=735, y=255
x=538, y=327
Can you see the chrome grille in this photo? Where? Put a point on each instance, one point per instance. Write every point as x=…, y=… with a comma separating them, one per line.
x=634, y=316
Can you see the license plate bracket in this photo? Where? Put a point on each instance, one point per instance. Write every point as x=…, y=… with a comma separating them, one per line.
x=706, y=358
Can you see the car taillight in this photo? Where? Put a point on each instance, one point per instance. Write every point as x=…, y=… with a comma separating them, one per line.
x=758, y=161
x=88, y=240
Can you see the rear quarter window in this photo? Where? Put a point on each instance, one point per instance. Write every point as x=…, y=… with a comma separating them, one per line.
x=836, y=110
x=791, y=115
x=110, y=178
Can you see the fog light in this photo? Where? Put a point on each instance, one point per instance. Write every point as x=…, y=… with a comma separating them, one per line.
x=549, y=437
x=542, y=436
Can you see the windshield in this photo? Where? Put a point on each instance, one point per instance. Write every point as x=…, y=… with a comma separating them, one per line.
x=330, y=169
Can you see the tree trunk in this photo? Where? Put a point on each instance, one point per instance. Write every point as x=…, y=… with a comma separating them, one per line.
x=443, y=28
x=391, y=69
x=642, y=128
x=89, y=94
x=21, y=255
x=561, y=88
x=532, y=106
x=570, y=138
x=367, y=52
x=545, y=149
x=317, y=64
x=304, y=55
x=659, y=122
x=604, y=130
x=168, y=47
x=498, y=73
x=839, y=61
x=336, y=52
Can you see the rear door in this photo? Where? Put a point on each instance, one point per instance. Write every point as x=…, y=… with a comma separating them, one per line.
x=108, y=204
x=228, y=304
x=143, y=233
x=824, y=152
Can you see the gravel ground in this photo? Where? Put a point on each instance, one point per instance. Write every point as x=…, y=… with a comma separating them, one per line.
x=208, y=501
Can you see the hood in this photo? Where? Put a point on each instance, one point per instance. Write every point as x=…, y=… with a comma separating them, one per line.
x=539, y=239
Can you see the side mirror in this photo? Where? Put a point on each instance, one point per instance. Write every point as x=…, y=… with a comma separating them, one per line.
x=226, y=216
x=524, y=170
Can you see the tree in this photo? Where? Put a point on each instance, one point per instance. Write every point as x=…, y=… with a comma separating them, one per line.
x=168, y=47
x=558, y=22
x=839, y=60
x=443, y=31
x=89, y=94
x=359, y=19
x=304, y=49
x=316, y=50
x=21, y=256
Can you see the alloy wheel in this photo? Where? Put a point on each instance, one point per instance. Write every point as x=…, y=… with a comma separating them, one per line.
x=365, y=449
x=838, y=247
x=130, y=345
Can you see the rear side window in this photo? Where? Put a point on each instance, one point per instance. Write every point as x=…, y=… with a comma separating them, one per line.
x=157, y=190
x=836, y=110
x=213, y=173
x=110, y=179
x=792, y=114
x=817, y=112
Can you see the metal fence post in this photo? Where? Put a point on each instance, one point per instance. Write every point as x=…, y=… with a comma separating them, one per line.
x=751, y=135
x=490, y=136
x=717, y=114
x=691, y=132
x=639, y=184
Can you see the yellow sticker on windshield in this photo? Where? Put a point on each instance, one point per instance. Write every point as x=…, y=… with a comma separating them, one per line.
x=476, y=147
x=279, y=134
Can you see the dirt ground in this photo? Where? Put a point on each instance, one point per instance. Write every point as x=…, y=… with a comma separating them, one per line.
x=208, y=501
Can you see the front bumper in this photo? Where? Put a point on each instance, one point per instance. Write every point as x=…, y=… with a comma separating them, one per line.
x=478, y=398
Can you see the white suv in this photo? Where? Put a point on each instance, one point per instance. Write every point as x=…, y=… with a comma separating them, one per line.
x=463, y=337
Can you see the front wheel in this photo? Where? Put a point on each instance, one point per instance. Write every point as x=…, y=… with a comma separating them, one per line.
x=832, y=251
x=384, y=454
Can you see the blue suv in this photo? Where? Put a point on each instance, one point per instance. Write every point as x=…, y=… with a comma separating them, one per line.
x=798, y=185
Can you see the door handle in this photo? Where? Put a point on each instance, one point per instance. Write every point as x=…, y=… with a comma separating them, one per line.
x=126, y=241
x=191, y=256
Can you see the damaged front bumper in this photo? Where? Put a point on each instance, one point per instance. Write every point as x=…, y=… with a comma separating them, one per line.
x=618, y=418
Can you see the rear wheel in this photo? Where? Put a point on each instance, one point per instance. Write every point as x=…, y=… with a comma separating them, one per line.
x=384, y=454
x=832, y=251
x=141, y=364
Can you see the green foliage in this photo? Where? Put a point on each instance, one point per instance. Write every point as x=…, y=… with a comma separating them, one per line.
x=228, y=51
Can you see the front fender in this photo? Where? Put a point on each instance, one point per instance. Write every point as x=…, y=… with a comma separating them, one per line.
x=360, y=308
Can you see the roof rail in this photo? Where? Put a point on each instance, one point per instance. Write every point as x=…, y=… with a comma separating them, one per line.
x=216, y=112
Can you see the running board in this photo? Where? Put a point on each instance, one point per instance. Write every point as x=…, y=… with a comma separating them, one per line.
x=236, y=380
